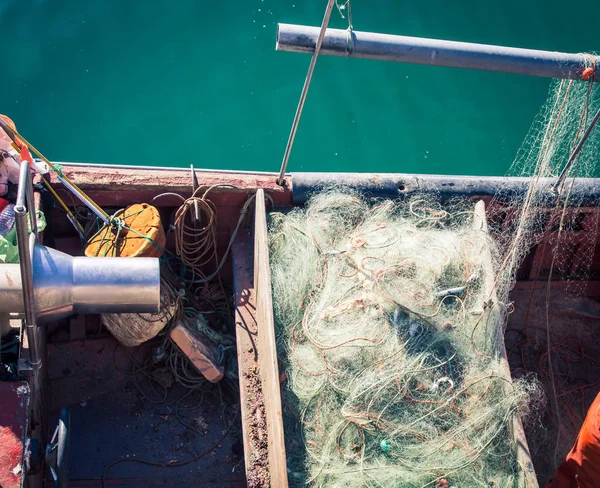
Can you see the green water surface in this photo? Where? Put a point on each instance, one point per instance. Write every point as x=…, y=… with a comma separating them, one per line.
x=174, y=82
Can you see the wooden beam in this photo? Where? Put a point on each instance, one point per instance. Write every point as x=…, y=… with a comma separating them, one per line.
x=527, y=471
x=269, y=368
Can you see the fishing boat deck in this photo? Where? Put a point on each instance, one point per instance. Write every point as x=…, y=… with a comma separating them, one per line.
x=574, y=349
x=132, y=428
x=116, y=414
x=123, y=424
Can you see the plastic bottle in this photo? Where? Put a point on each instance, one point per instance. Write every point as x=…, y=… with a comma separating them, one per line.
x=7, y=219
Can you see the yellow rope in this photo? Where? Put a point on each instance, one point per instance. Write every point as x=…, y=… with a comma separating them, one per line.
x=63, y=205
x=7, y=128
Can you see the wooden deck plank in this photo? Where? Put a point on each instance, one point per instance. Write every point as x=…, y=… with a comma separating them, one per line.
x=267, y=347
x=245, y=335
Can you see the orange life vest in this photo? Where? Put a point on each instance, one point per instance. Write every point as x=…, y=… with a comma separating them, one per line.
x=581, y=468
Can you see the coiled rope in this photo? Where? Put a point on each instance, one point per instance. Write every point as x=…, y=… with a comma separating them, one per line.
x=196, y=243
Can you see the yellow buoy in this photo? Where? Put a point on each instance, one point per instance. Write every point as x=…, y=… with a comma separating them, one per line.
x=138, y=234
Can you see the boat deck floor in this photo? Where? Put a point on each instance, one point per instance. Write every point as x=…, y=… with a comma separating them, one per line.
x=575, y=354
x=111, y=418
x=123, y=424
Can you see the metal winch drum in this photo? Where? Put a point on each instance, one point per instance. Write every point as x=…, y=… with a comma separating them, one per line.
x=64, y=285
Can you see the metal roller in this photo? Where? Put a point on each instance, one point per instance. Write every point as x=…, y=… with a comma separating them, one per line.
x=65, y=285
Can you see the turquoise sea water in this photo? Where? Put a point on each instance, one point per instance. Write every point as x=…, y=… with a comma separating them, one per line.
x=174, y=82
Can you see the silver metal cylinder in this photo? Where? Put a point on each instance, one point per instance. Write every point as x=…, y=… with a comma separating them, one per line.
x=64, y=285
x=416, y=50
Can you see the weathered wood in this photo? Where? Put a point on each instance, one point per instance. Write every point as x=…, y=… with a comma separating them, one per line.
x=246, y=341
x=201, y=354
x=119, y=187
x=527, y=478
x=267, y=346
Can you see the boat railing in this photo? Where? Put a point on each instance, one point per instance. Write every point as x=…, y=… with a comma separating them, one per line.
x=25, y=219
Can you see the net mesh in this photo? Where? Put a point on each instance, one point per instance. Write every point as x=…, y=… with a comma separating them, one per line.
x=390, y=332
x=540, y=214
x=390, y=318
x=554, y=235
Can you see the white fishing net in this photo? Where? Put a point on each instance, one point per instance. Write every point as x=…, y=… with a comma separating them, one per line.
x=390, y=331
x=390, y=317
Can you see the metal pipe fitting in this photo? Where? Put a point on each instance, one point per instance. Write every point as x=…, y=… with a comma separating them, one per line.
x=64, y=285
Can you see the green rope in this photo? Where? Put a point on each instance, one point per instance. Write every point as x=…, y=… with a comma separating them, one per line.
x=145, y=237
x=58, y=169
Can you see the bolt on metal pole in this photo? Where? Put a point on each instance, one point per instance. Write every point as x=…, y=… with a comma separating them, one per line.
x=311, y=69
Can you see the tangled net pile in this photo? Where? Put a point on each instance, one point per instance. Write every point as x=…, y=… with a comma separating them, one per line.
x=390, y=331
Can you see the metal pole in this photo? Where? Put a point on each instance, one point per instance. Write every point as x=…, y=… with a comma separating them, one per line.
x=86, y=201
x=316, y=48
x=26, y=243
x=25, y=196
x=27, y=282
x=403, y=49
x=565, y=172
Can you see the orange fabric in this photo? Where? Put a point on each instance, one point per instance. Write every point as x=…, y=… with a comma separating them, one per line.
x=25, y=155
x=581, y=468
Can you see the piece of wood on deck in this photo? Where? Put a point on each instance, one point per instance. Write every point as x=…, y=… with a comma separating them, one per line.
x=527, y=478
x=267, y=346
x=200, y=353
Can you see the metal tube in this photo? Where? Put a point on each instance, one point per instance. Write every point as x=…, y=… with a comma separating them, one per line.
x=26, y=187
x=565, y=172
x=26, y=244
x=403, y=49
x=86, y=201
x=27, y=283
x=311, y=68
x=64, y=285
x=25, y=202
